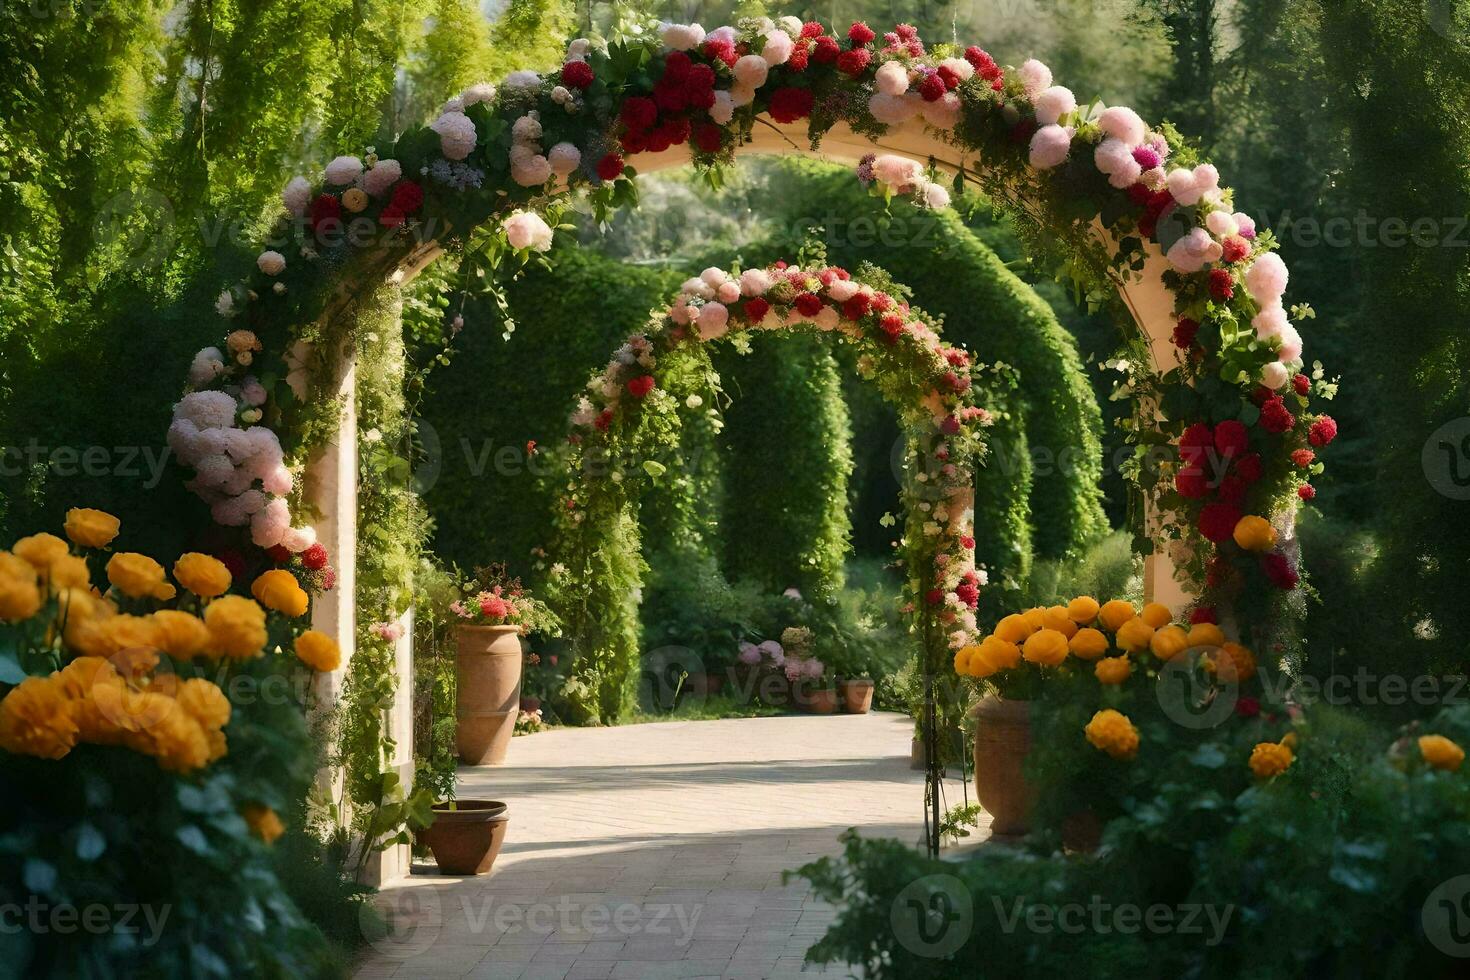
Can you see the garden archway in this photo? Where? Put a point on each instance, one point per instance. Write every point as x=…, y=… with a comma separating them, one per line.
x=1211, y=359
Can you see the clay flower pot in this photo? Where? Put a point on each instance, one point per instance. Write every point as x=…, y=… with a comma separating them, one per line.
x=466, y=835
x=857, y=695
x=488, y=675
x=814, y=700
x=1002, y=739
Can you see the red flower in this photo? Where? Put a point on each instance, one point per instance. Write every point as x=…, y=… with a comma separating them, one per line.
x=983, y=63
x=967, y=542
x=1232, y=489
x=1234, y=248
x=1323, y=431
x=329, y=579
x=232, y=560
x=956, y=382
x=798, y=59
x=1196, y=442
x=809, y=304
x=1248, y=467
x=1247, y=707
x=1222, y=284
x=1022, y=131
x=1190, y=482
x=1302, y=457
x=1186, y=329
x=610, y=167
x=315, y=557
x=701, y=79
x=934, y=597
x=948, y=76
x=708, y=137
x=857, y=307
x=790, y=104
x=1230, y=438
x=325, y=210
x=1306, y=491
x=812, y=29
x=968, y=593
x=1275, y=417
x=722, y=49
x=932, y=88
x=1302, y=384
x=407, y=196
x=756, y=309
x=677, y=65
x=278, y=553
x=603, y=420
x=854, y=61
x=881, y=301
x=1203, y=614
x=634, y=143
x=576, y=74
x=860, y=33
x=1217, y=521
x=950, y=426
x=826, y=51
x=640, y=386
x=1279, y=570
x=639, y=113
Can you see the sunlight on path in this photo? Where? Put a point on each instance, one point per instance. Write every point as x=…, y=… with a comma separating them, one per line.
x=657, y=850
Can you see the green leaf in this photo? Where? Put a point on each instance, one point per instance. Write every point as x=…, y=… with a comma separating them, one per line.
x=90, y=842
x=1208, y=756
x=193, y=839
x=654, y=468
x=10, y=671
x=39, y=876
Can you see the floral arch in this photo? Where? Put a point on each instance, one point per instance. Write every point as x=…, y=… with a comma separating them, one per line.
x=1224, y=428
x=628, y=411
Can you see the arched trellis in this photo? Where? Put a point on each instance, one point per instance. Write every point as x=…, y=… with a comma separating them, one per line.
x=1133, y=208
x=627, y=407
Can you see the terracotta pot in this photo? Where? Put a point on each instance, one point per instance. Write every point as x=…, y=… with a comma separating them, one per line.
x=703, y=685
x=1002, y=739
x=857, y=695
x=488, y=676
x=466, y=840
x=815, y=700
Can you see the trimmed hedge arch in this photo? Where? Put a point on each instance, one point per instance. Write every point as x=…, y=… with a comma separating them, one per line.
x=628, y=421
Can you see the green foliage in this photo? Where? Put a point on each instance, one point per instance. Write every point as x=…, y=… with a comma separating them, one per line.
x=787, y=470
x=1358, y=825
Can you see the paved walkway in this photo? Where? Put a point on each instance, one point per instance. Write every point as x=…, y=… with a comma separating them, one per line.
x=657, y=851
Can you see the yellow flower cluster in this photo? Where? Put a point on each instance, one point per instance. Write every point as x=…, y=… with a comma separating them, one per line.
x=1111, y=732
x=278, y=589
x=263, y=822
x=1045, y=636
x=318, y=651
x=20, y=591
x=179, y=723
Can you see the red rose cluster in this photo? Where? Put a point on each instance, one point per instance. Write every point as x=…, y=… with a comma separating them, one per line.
x=985, y=67
x=407, y=198
x=1222, y=453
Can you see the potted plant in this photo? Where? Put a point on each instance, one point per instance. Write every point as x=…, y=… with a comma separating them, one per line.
x=856, y=693
x=759, y=673
x=466, y=835
x=811, y=690
x=494, y=612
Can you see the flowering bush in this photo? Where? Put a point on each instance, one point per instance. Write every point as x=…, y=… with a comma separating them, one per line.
x=153, y=745
x=493, y=598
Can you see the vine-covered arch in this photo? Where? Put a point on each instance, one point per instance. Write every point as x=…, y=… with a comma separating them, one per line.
x=627, y=420
x=1224, y=428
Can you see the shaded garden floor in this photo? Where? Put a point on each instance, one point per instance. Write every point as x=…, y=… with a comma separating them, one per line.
x=657, y=850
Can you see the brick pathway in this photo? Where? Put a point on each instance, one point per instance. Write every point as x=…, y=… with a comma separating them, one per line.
x=657, y=851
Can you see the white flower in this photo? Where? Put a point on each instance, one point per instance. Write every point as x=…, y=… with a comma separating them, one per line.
x=724, y=108
x=713, y=320
x=693, y=401
x=791, y=25
x=343, y=171
x=521, y=82
x=562, y=95
x=577, y=49
x=892, y=78
x=943, y=112
x=962, y=68
x=225, y=304
x=456, y=135
x=681, y=37
x=1050, y=146
x=755, y=282
x=532, y=172
x=208, y=364
x=271, y=263
x=564, y=158
x=751, y=71
x=1274, y=375
x=280, y=290
x=381, y=177
x=778, y=47
x=1054, y=103
x=207, y=409
x=475, y=94
x=890, y=110
x=526, y=229
x=296, y=195
x=1035, y=76
x=526, y=129
x=935, y=196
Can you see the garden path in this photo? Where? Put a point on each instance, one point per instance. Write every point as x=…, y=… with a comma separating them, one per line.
x=656, y=850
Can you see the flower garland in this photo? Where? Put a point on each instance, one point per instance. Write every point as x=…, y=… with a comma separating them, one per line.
x=515, y=151
x=898, y=348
